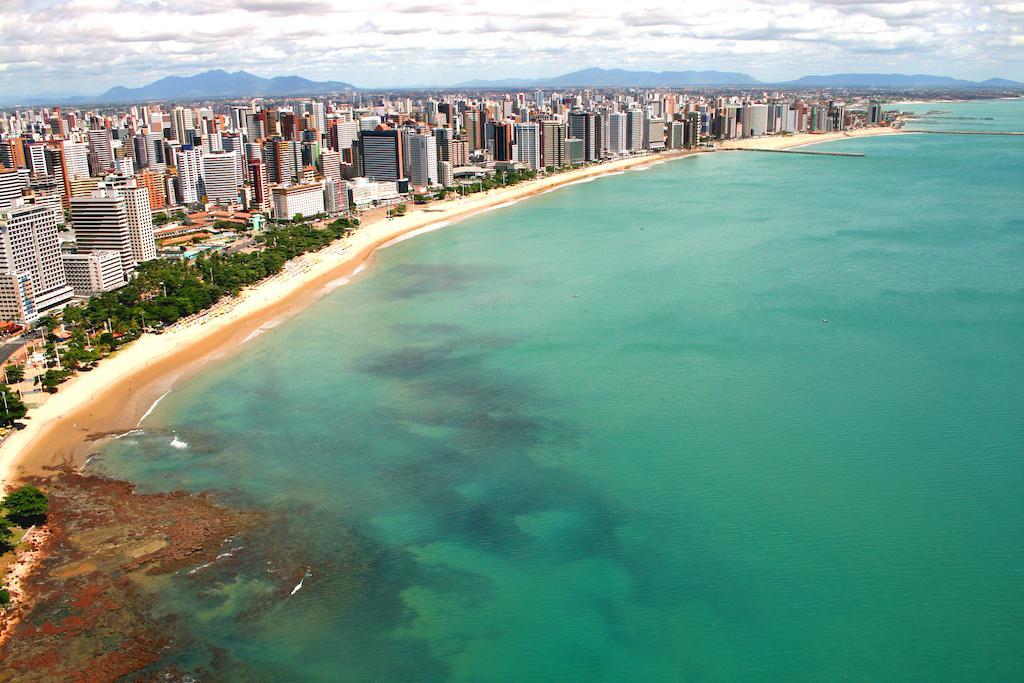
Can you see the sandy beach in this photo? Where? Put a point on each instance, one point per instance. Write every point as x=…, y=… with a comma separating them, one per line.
x=777, y=142
x=113, y=397
x=121, y=390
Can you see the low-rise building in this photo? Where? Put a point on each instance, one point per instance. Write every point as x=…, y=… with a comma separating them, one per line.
x=94, y=273
x=290, y=200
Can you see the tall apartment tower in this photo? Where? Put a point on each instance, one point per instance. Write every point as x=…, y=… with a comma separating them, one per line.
x=586, y=125
x=222, y=177
x=476, y=125
x=260, y=186
x=528, y=146
x=12, y=182
x=503, y=141
x=330, y=168
x=102, y=149
x=616, y=133
x=101, y=224
x=552, y=135
x=188, y=160
x=380, y=153
x=423, y=160
x=140, y=216
x=32, y=277
x=634, y=130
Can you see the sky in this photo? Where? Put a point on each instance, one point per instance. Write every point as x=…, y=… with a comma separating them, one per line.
x=87, y=46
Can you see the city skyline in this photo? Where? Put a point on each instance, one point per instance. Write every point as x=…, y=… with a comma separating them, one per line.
x=83, y=47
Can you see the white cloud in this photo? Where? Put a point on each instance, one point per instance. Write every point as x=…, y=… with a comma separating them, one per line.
x=76, y=45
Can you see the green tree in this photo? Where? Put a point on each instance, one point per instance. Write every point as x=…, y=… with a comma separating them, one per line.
x=26, y=506
x=5, y=534
x=14, y=373
x=11, y=407
x=54, y=377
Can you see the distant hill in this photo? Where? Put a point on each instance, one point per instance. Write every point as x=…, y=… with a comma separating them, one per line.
x=1002, y=83
x=858, y=80
x=218, y=83
x=619, y=78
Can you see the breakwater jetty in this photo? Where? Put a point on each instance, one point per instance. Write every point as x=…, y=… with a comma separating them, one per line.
x=969, y=132
x=800, y=151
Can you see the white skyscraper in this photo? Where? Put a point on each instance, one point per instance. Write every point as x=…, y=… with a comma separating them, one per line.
x=100, y=222
x=222, y=177
x=182, y=121
x=616, y=133
x=29, y=245
x=140, y=216
x=189, y=163
x=347, y=133
x=11, y=184
x=76, y=158
x=528, y=144
x=422, y=154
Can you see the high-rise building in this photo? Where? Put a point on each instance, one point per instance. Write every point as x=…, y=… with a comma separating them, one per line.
x=380, y=153
x=552, y=135
x=76, y=158
x=445, y=172
x=12, y=183
x=528, y=146
x=654, y=133
x=476, y=126
x=102, y=149
x=634, y=130
x=32, y=277
x=101, y=224
x=182, y=124
x=616, y=133
x=502, y=141
x=458, y=151
x=344, y=134
x=875, y=115
x=260, y=186
x=221, y=177
x=188, y=161
x=153, y=181
x=575, y=151
x=586, y=126
x=156, y=155
x=140, y=216
x=422, y=160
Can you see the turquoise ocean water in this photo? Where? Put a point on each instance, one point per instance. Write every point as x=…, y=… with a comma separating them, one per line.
x=606, y=435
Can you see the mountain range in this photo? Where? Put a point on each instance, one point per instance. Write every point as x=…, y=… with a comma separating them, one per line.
x=621, y=78
x=217, y=83
x=653, y=79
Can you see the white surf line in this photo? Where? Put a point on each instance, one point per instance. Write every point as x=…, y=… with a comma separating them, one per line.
x=151, y=409
x=269, y=325
x=408, y=236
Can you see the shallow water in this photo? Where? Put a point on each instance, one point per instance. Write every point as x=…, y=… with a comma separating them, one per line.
x=606, y=434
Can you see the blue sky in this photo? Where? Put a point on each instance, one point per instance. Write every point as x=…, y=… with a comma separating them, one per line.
x=87, y=46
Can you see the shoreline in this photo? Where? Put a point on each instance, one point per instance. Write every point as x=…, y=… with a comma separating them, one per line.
x=124, y=388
